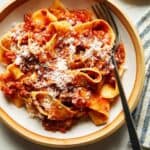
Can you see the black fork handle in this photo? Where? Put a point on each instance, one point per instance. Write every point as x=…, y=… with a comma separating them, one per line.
x=128, y=117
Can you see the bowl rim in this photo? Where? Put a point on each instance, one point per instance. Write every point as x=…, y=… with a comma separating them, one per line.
x=116, y=123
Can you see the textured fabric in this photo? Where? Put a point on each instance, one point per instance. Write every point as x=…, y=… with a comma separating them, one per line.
x=142, y=112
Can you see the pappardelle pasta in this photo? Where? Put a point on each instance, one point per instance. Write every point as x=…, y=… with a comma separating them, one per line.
x=58, y=66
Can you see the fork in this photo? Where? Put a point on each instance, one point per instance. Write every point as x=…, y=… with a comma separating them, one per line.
x=101, y=10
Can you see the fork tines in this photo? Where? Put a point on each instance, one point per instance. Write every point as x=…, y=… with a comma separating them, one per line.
x=102, y=11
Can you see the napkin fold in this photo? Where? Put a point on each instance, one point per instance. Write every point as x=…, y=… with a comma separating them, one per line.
x=142, y=112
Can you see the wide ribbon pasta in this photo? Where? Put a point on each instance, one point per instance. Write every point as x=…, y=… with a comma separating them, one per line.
x=99, y=112
x=97, y=25
x=86, y=76
x=6, y=56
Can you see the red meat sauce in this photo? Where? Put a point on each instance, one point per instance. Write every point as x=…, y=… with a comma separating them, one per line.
x=55, y=125
x=89, y=34
x=63, y=125
x=12, y=86
x=74, y=16
x=9, y=56
x=41, y=33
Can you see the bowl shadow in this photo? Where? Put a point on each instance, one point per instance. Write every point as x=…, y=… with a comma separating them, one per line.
x=137, y=2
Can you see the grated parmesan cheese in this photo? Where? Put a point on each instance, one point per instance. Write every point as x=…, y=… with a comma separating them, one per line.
x=20, y=55
x=111, y=66
x=72, y=22
x=46, y=103
x=60, y=78
x=94, y=46
x=34, y=47
x=52, y=92
x=72, y=49
x=18, y=60
x=24, y=51
x=69, y=40
x=40, y=84
x=61, y=64
x=17, y=32
x=70, y=43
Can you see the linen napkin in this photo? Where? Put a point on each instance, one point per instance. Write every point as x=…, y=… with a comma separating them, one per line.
x=142, y=112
